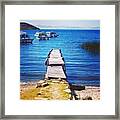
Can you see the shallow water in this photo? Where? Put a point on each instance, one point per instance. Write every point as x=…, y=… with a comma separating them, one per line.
x=82, y=67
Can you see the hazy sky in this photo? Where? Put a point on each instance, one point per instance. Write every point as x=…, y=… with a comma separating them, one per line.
x=75, y=24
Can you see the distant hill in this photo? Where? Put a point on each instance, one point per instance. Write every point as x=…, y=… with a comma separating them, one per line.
x=27, y=26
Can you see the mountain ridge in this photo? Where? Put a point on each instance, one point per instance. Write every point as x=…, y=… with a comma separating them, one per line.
x=27, y=26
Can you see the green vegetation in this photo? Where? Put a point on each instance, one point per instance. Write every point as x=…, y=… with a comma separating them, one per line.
x=93, y=47
x=26, y=26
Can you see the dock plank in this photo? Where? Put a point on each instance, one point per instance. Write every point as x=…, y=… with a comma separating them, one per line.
x=55, y=65
x=55, y=61
x=55, y=53
x=55, y=72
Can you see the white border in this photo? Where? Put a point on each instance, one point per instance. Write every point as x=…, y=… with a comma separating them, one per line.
x=104, y=13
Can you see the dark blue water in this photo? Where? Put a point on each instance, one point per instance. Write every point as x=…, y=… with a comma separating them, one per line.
x=82, y=67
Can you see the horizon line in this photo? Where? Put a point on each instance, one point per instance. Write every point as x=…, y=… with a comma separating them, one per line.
x=72, y=28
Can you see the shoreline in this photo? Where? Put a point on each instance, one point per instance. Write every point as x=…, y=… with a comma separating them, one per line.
x=35, y=82
x=56, y=90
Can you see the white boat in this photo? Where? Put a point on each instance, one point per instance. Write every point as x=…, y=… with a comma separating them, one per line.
x=45, y=35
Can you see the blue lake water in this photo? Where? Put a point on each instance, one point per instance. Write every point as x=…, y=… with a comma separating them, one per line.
x=82, y=67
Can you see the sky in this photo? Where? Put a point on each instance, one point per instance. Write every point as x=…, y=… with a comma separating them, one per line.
x=65, y=24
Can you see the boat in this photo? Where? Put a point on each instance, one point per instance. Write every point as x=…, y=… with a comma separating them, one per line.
x=41, y=36
x=45, y=35
x=24, y=38
x=53, y=34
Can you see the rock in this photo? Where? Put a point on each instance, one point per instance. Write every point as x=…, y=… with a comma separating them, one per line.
x=46, y=77
x=67, y=87
x=38, y=93
x=59, y=78
x=64, y=82
x=87, y=98
x=55, y=81
x=67, y=90
x=45, y=84
x=42, y=83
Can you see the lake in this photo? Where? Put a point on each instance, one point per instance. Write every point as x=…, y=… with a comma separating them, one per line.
x=82, y=67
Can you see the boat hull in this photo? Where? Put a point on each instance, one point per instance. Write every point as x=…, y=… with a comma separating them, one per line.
x=26, y=41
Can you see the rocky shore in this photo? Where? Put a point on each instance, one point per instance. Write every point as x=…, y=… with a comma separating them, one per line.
x=56, y=90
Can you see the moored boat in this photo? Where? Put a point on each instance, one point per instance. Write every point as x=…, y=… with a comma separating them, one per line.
x=24, y=38
x=45, y=35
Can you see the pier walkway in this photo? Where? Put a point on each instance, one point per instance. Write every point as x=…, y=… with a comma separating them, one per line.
x=56, y=79
x=55, y=65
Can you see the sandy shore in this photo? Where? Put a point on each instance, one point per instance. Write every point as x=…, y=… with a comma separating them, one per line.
x=56, y=90
x=90, y=92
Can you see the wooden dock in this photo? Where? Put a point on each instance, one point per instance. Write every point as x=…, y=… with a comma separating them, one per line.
x=56, y=79
x=55, y=65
